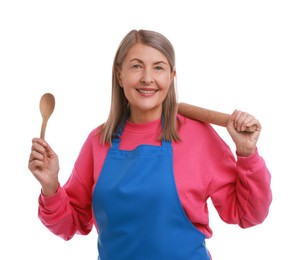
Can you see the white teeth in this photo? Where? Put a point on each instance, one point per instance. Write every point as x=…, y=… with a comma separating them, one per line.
x=147, y=92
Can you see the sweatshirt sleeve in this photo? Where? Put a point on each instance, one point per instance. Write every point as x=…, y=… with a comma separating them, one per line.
x=241, y=189
x=69, y=211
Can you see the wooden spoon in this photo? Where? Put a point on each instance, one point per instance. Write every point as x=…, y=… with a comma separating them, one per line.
x=47, y=105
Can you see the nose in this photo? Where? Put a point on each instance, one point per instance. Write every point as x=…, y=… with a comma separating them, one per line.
x=147, y=77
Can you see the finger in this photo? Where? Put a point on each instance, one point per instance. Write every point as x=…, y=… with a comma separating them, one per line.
x=35, y=155
x=242, y=121
x=254, y=122
x=42, y=146
x=35, y=165
x=248, y=121
x=238, y=118
x=40, y=141
x=49, y=151
x=38, y=151
x=38, y=148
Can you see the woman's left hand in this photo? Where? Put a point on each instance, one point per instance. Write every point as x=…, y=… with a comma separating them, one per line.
x=245, y=142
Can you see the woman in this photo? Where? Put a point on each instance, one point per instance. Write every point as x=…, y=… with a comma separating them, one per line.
x=143, y=178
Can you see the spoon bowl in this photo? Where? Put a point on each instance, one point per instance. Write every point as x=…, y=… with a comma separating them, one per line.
x=47, y=106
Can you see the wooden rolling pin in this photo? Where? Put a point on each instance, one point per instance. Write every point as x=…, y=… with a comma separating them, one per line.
x=207, y=115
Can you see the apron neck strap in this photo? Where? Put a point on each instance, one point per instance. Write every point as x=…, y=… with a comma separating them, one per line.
x=117, y=135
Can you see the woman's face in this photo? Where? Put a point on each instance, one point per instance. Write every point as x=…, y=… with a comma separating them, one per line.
x=145, y=77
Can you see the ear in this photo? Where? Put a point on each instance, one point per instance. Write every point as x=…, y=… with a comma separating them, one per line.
x=173, y=75
x=119, y=78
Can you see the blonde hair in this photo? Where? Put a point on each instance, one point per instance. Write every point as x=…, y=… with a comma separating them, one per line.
x=119, y=103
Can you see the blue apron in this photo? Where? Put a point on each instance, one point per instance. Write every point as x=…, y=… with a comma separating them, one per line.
x=137, y=209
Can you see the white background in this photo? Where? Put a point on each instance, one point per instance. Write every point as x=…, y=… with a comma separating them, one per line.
x=249, y=55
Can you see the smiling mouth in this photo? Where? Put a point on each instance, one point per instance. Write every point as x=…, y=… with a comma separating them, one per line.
x=147, y=92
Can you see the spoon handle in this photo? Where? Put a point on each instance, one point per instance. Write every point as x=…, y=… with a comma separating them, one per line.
x=43, y=128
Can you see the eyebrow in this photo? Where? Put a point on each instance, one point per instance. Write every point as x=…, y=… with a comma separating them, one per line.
x=157, y=62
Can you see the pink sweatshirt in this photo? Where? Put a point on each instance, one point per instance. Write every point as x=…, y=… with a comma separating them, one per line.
x=204, y=167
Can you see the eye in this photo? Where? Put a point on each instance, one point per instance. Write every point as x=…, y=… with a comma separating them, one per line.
x=158, y=68
x=136, y=66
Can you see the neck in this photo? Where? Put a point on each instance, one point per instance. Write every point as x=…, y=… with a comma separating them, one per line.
x=139, y=117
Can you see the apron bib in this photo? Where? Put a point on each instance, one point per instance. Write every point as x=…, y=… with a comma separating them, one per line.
x=137, y=209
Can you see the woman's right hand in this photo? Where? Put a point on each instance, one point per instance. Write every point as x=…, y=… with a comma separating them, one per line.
x=44, y=165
